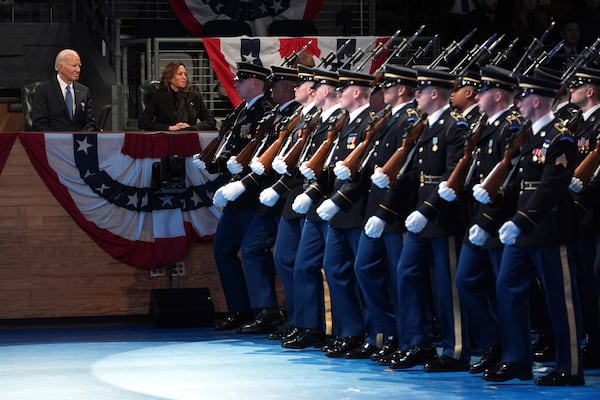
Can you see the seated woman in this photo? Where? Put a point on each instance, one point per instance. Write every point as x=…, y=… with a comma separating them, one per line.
x=174, y=106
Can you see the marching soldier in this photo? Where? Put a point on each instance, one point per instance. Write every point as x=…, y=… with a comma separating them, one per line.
x=534, y=241
x=463, y=96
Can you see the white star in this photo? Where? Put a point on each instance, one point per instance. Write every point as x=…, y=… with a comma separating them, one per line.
x=263, y=9
x=277, y=6
x=166, y=199
x=88, y=174
x=84, y=145
x=196, y=199
x=248, y=58
x=102, y=188
x=133, y=200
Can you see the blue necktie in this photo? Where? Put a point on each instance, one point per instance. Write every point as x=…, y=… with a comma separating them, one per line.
x=69, y=100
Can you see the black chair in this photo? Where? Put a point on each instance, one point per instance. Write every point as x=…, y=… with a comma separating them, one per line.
x=145, y=93
x=293, y=27
x=27, y=93
x=104, y=116
x=226, y=28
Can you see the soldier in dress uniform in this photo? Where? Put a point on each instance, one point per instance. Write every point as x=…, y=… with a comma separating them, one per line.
x=259, y=240
x=344, y=226
x=463, y=96
x=585, y=93
x=275, y=196
x=311, y=319
x=433, y=240
x=534, y=241
x=481, y=251
x=236, y=224
x=380, y=242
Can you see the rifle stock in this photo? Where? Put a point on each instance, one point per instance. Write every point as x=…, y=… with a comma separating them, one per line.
x=354, y=160
x=267, y=157
x=292, y=156
x=317, y=161
x=393, y=165
x=457, y=178
x=208, y=154
x=265, y=123
x=495, y=179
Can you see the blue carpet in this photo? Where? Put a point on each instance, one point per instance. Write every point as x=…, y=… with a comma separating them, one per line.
x=144, y=362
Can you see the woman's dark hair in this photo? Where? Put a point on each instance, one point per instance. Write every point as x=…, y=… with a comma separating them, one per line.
x=167, y=73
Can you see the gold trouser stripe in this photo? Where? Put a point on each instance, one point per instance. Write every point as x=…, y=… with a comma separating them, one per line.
x=379, y=340
x=327, y=305
x=457, y=316
x=568, y=288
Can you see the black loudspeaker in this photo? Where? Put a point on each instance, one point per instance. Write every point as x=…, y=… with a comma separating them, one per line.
x=185, y=307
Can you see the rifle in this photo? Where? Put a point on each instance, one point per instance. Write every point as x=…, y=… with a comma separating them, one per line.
x=209, y=154
x=317, y=161
x=502, y=56
x=266, y=158
x=451, y=49
x=544, y=57
x=265, y=123
x=331, y=57
x=421, y=50
x=292, y=156
x=378, y=50
x=358, y=54
x=471, y=54
x=355, y=159
x=291, y=59
x=403, y=46
x=393, y=165
x=458, y=176
x=533, y=46
x=497, y=176
x=585, y=170
x=582, y=59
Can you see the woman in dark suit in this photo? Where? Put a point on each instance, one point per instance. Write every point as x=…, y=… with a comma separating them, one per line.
x=174, y=106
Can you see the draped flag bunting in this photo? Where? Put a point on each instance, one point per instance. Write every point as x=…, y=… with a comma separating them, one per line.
x=258, y=14
x=104, y=182
x=224, y=53
x=6, y=143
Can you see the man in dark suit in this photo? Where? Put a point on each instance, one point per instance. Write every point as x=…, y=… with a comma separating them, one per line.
x=61, y=103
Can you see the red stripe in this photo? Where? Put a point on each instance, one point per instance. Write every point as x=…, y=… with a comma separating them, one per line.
x=186, y=17
x=6, y=143
x=221, y=67
x=312, y=8
x=157, y=145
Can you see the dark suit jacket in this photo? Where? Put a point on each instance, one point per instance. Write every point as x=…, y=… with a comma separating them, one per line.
x=49, y=112
x=160, y=113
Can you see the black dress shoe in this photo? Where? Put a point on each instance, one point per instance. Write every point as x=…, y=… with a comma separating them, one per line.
x=266, y=321
x=233, y=321
x=330, y=342
x=387, y=359
x=361, y=352
x=503, y=372
x=343, y=346
x=415, y=355
x=389, y=346
x=303, y=339
x=446, y=364
x=560, y=379
x=489, y=358
x=543, y=348
x=281, y=332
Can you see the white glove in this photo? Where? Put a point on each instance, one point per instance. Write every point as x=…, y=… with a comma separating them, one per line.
x=380, y=179
x=198, y=163
x=234, y=166
x=258, y=168
x=374, y=227
x=415, y=222
x=279, y=165
x=233, y=190
x=477, y=235
x=341, y=171
x=445, y=192
x=327, y=210
x=268, y=197
x=307, y=172
x=218, y=199
x=576, y=185
x=302, y=203
x=481, y=195
x=508, y=232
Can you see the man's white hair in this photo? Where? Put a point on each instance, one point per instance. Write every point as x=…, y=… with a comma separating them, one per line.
x=62, y=56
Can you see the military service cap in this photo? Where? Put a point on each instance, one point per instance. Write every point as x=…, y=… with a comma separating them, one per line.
x=324, y=77
x=585, y=76
x=246, y=70
x=434, y=77
x=349, y=78
x=283, y=74
x=397, y=75
x=499, y=78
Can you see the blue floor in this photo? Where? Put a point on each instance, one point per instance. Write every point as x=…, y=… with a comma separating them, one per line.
x=144, y=362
